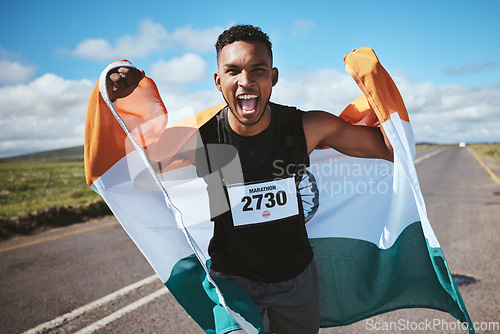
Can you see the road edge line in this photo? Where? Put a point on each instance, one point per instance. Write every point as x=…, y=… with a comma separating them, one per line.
x=486, y=168
x=55, y=237
x=85, y=308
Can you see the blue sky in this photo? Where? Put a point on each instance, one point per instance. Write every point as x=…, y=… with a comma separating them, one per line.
x=443, y=55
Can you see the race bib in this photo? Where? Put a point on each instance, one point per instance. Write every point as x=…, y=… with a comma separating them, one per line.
x=263, y=202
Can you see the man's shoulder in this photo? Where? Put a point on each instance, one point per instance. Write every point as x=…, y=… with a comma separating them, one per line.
x=284, y=112
x=208, y=130
x=282, y=107
x=218, y=114
x=205, y=116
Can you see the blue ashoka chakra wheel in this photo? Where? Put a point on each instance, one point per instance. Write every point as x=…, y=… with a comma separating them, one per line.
x=310, y=195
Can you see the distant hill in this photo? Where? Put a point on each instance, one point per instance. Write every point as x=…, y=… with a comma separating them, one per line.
x=64, y=154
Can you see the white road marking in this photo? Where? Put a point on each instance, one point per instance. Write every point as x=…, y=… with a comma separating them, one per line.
x=95, y=304
x=428, y=155
x=121, y=312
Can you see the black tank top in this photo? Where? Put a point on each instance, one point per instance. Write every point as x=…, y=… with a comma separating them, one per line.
x=274, y=251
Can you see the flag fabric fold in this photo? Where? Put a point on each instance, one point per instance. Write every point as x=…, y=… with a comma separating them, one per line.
x=366, y=218
x=376, y=249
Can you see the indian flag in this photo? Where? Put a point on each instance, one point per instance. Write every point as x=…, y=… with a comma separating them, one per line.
x=366, y=218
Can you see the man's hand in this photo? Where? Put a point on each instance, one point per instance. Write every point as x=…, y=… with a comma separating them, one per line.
x=122, y=82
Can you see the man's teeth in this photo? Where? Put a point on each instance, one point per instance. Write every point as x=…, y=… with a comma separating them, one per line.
x=248, y=102
x=247, y=97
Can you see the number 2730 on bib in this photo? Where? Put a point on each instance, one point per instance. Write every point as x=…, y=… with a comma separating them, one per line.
x=263, y=202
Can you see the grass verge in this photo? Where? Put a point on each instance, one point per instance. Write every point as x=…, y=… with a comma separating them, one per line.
x=491, y=150
x=36, y=194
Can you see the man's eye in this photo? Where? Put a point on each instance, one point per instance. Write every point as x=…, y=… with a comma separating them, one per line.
x=259, y=71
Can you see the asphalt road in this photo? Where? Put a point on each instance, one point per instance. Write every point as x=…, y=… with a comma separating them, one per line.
x=60, y=282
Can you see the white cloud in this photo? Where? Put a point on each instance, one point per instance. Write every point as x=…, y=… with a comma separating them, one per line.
x=325, y=89
x=181, y=105
x=13, y=68
x=471, y=68
x=439, y=113
x=302, y=27
x=451, y=113
x=188, y=68
x=151, y=37
x=198, y=40
x=47, y=113
x=12, y=72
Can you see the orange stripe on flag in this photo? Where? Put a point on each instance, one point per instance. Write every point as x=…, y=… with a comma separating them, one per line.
x=104, y=138
x=106, y=142
x=175, y=136
x=145, y=117
x=376, y=84
x=359, y=112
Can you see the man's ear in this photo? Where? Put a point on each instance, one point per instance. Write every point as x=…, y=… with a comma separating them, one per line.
x=274, y=76
x=217, y=81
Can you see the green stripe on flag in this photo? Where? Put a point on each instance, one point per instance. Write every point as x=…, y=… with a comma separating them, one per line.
x=189, y=285
x=447, y=282
x=359, y=280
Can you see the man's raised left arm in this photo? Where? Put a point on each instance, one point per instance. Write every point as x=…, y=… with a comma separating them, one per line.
x=325, y=129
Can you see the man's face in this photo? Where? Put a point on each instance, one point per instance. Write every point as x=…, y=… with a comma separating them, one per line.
x=246, y=78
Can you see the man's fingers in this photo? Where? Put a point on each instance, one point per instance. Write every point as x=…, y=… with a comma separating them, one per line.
x=123, y=81
x=118, y=81
x=131, y=76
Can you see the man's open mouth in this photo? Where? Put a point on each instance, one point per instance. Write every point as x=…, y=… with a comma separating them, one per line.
x=248, y=102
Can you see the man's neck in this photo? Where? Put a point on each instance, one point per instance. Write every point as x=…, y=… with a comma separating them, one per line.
x=250, y=130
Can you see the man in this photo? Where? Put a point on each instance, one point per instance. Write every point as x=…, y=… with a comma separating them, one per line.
x=273, y=261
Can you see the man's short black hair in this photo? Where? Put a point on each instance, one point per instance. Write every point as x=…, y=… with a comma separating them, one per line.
x=244, y=33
